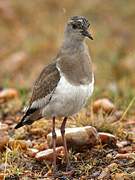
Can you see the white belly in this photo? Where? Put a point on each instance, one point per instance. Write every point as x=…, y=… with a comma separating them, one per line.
x=68, y=99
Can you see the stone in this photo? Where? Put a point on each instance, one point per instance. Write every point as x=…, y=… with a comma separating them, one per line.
x=121, y=144
x=8, y=122
x=126, y=149
x=125, y=156
x=120, y=176
x=2, y=176
x=107, y=138
x=6, y=94
x=76, y=137
x=4, y=138
x=103, y=104
x=48, y=154
x=32, y=152
x=3, y=127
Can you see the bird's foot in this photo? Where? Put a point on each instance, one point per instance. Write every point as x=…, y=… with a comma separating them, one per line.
x=69, y=171
x=68, y=167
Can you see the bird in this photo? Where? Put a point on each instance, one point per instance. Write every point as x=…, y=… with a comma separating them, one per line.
x=64, y=86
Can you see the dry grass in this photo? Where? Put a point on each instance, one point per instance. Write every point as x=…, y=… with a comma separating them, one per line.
x=34, y=29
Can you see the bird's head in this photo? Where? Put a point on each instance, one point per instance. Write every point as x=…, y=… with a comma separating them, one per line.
x=77, y=28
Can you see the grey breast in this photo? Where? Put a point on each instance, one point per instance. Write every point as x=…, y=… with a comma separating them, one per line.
x=77, y=68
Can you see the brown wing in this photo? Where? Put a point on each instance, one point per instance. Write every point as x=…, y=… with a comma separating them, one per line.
x=45, y=83
x=44, y=86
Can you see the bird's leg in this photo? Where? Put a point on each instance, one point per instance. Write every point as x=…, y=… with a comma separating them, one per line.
x=54, y=144
x=64, y=141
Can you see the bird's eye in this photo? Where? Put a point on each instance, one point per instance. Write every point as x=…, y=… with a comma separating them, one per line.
x=74, y=26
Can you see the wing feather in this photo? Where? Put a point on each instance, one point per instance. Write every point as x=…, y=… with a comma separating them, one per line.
x=42, y=92
x=45, y=83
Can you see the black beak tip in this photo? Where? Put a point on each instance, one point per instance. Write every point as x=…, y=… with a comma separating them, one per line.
x=18, y=125
x=91, y=38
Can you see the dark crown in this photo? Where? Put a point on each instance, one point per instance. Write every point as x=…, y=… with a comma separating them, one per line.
x=80, y=20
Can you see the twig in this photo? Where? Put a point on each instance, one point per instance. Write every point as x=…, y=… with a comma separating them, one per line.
x=5, y=168
x=127, y=109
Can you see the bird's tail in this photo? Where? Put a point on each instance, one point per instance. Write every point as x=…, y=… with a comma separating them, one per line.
x=24, y=121
x=29, y=118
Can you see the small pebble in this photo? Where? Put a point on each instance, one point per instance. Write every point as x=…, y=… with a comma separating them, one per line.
x=120, y=176
x=6, y=94
x=125, y=156
x=3, y=127
x=121, y=144
x=32, y=152
x=127, y=149
x=77, y=138
x=105, y=104
x=107, y=138
x=4, y=138
x=48, y=154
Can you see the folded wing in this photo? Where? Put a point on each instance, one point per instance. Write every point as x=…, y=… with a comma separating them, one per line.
x=42, y=92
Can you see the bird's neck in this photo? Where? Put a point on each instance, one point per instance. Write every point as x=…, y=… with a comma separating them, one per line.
x=72, y=45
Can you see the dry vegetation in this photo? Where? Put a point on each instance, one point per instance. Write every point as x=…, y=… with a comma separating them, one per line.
x=30, y=35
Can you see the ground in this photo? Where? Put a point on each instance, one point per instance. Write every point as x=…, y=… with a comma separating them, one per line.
x=30, y=36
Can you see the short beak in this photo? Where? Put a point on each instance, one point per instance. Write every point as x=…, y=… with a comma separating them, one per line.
x=87, y=34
